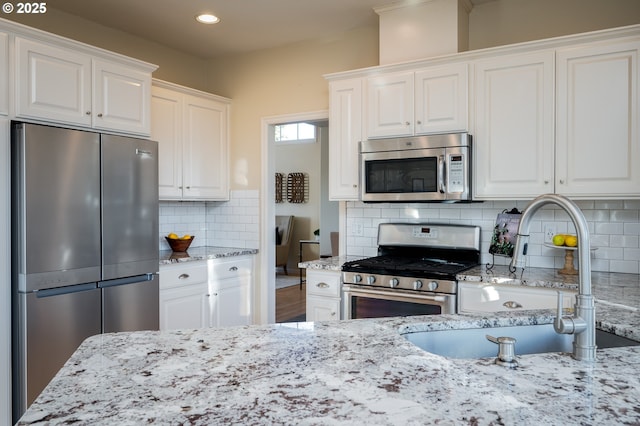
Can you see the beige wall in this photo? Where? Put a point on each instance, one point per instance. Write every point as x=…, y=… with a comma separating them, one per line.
x=174, y=66
x=512, y=21
x=282, y=81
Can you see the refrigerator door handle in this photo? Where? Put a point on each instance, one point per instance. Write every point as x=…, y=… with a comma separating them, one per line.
x=126, y=280
x=64, y=290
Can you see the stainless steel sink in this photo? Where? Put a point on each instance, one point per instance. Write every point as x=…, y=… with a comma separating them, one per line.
x=530, y=339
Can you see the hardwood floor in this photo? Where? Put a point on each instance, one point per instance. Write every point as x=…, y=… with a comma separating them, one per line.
x=290, y=302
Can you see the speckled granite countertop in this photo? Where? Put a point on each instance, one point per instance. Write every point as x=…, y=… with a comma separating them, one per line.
x=347, y=372
x=343, y=372
x=202, y=253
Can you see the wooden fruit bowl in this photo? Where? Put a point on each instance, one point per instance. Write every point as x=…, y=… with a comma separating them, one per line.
x=178, y=244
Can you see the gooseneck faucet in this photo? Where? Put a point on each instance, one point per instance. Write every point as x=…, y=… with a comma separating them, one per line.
x=583, y=324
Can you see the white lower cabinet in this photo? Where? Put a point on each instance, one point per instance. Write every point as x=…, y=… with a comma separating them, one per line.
x=323, y=295
x=184, y=296
x=230, y=286
x=207, y=293
x=483, y=297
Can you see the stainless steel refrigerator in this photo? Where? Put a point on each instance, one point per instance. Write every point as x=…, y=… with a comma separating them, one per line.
x=84, y=245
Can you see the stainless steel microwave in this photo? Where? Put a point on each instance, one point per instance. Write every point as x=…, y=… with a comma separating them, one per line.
x=427, y=168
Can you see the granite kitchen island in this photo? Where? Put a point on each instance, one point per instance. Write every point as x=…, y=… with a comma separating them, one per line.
x=343, y=372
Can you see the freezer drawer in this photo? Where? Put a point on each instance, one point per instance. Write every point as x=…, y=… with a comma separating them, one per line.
x=131, y=304
x=53, y=324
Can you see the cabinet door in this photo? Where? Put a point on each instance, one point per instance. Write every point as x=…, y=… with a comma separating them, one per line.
x=231, y=305
x=166, y=129
x=52, y=83
x=345, y=132
x=442, y=99
x=323, y=308
x=121, y=98
x=390, y=105
x=205, y=149
x=513, y=141
x=230, y=286
x=4, y=74
x=597, y=142
x=184, y=307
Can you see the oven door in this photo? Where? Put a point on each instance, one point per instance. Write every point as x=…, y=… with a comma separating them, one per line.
x=361, y=302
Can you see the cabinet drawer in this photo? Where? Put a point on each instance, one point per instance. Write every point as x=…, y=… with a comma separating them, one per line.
x=181, y=275
x=229, y=268
x=323, y=283
x=495, y=298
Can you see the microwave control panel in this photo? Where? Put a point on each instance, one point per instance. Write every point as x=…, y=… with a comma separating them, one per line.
x=456, y=173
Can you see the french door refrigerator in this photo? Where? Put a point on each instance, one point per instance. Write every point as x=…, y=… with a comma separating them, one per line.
x=84, y=245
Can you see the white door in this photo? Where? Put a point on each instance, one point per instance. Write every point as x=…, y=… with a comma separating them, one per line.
x=184, y=307
x=322, y=308
x=4, y=74
x=390, y=105
x=513, y=141
x=442, y=95
x=121, y=98
x=52, y=83
x=166, y=129
x=345, y=132
x=597, y=142
x=205, y=149
x=231, y=302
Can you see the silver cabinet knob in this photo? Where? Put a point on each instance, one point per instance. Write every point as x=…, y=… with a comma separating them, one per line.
x=183, y=276
x=100, y=115
x=88, y=113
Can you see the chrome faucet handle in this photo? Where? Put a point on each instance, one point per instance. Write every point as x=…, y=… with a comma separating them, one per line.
x=506, y=350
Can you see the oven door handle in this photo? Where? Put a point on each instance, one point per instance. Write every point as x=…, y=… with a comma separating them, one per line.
x=441, y=174
x=437, y=298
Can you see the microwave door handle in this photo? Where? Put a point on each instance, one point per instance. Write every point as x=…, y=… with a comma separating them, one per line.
x=441, y=174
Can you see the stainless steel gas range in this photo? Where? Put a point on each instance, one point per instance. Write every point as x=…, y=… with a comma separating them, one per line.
x=414, y=272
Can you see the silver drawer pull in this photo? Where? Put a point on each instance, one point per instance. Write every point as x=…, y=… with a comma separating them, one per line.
x=322, y=285
x=183, y=276
x=511, y=304
x=233, y=268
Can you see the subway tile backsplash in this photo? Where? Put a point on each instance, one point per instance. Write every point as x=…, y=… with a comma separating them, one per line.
x=233, y=223
x=614, y=227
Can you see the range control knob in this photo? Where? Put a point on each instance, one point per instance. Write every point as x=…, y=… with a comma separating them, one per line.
x=371, y=279
x=357, y=278
x=417, y=285
x=393, y=282
x=432, y=285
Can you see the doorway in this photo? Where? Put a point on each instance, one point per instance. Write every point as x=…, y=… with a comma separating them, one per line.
x=267, y=290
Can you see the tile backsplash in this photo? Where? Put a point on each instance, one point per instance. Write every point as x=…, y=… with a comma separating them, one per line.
x=614, y=227
x=233, y=223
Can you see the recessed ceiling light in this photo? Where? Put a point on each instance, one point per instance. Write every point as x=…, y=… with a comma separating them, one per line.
x=207, y=18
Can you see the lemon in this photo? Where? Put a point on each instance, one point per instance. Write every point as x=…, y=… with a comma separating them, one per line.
x=558, y=240
x=186, y=237
x=173, y=236
x=571, y=240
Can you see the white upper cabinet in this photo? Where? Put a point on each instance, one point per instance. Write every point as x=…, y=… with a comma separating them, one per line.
x=191, y=128
x=52, y=83
x=513, y=137
x=4, y=74
x=597, y=141
x=390, y=105
x=345, y=132
x=428, y=100
x=121, y=98
x=60, y=84
x=442, y=99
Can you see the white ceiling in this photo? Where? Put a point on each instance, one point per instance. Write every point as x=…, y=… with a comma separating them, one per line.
x=246, y=25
